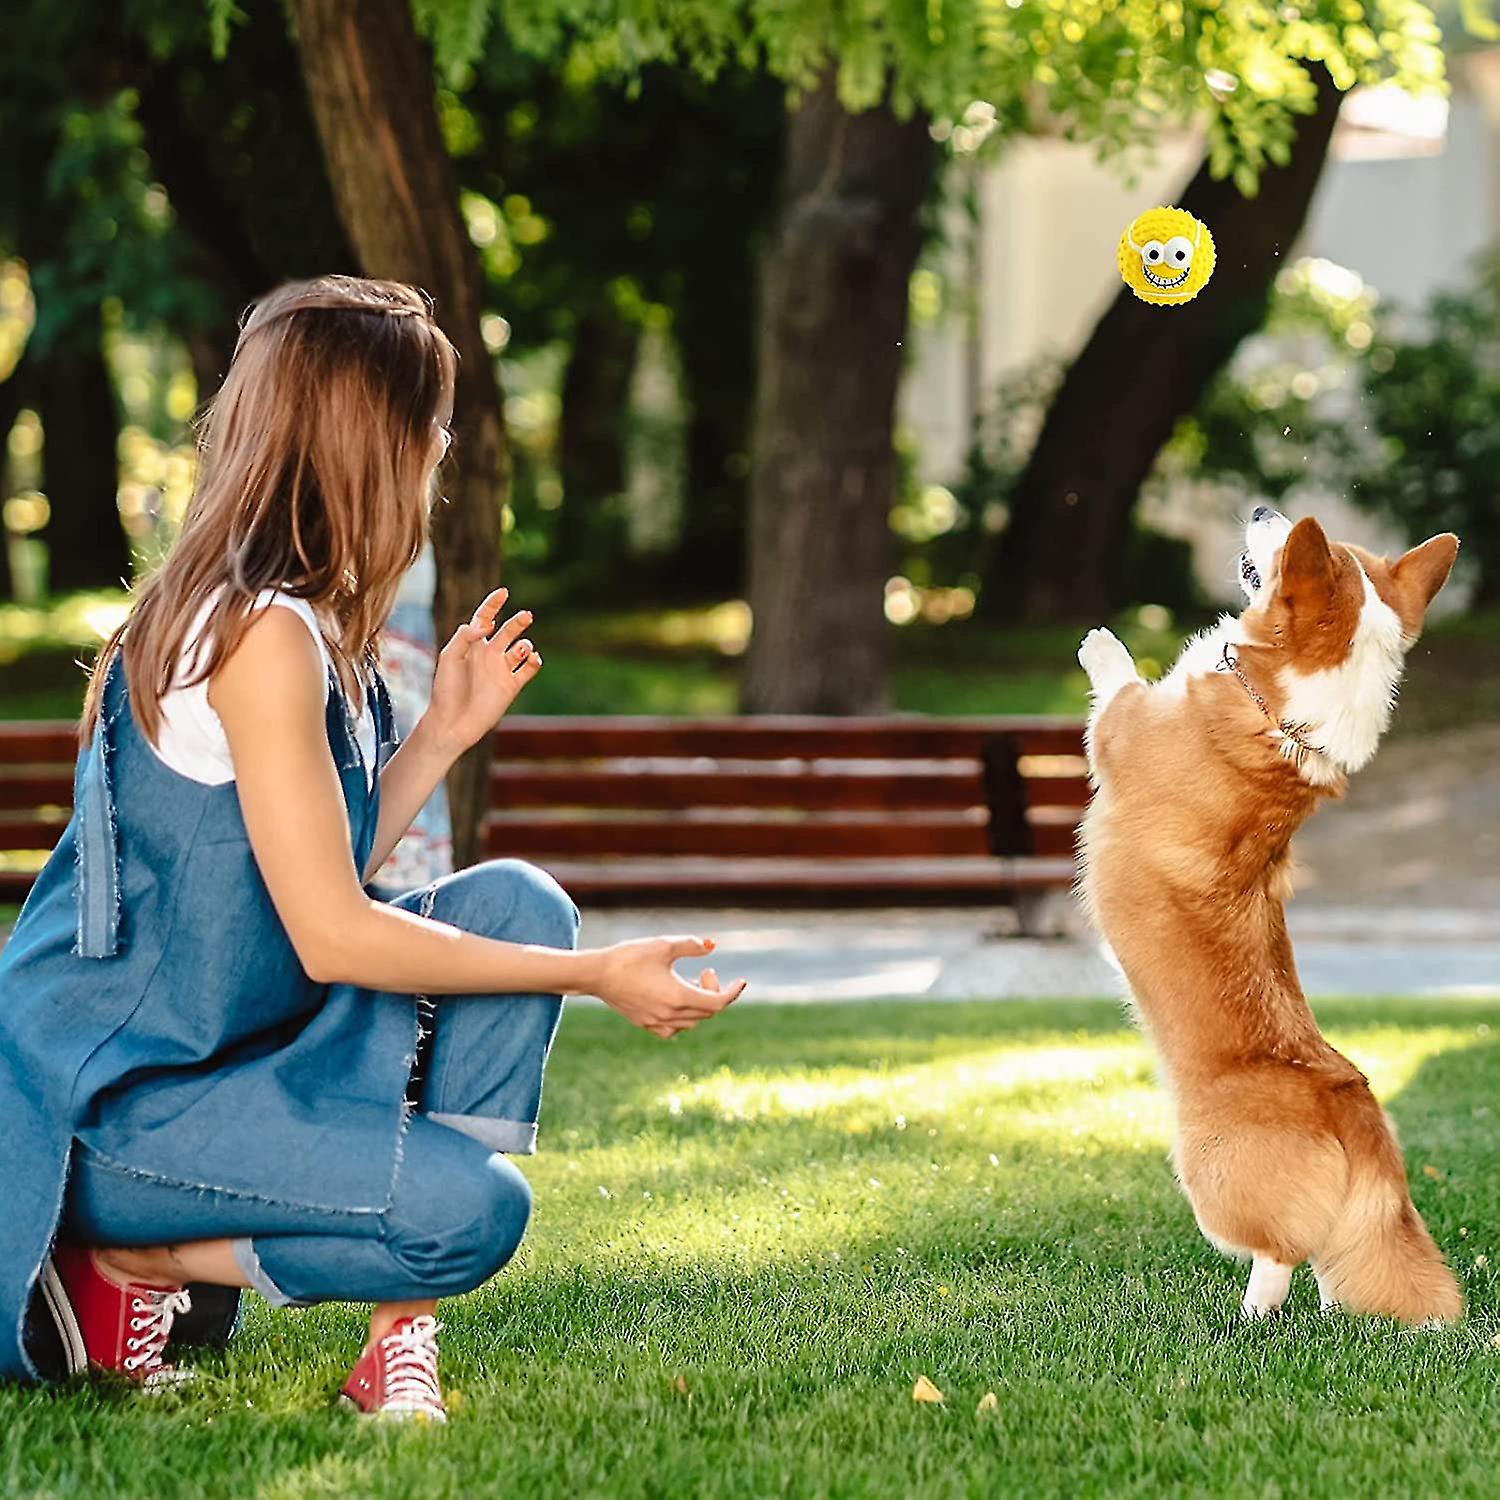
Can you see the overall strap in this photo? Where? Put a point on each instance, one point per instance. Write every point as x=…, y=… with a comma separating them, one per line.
x=96, y=834
x=342, y=739
x=387, y=737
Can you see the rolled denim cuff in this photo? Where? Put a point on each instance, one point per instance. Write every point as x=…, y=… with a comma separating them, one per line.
x=513, y=1137
x=249, y=1263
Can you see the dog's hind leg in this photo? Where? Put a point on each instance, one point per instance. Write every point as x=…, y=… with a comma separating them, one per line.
x=1270, y=1281
x=1327, y=1298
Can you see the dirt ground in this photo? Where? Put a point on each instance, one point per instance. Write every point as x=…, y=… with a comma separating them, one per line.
x=1420, y=826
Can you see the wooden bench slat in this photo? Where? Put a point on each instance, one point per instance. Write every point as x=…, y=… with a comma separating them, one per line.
x=1057, y=792
x=1053, y=841
x=30, y=830
x=716, y=881
x=38, y=742
x=941, y=835
x=1054, y=830
x=778, y=737
x=15, y=884
x=51, y=741
x=842, y=838
x=520, y=785
x=22, y=789
x=25, y=787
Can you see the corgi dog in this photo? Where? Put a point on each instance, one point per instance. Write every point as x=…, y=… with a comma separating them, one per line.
x=1200, y=781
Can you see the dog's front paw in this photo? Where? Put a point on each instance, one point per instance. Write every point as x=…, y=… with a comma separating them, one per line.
x=1104, y=657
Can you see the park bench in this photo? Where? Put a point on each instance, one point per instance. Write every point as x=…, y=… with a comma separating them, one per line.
x=724, y=811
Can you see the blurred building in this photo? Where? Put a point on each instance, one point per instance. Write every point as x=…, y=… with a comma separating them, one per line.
x=1410, y=195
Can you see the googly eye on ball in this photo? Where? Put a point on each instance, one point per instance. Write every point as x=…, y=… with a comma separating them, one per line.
x=1166, y=256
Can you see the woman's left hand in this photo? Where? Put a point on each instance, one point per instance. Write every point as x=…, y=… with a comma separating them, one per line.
x=479, y=675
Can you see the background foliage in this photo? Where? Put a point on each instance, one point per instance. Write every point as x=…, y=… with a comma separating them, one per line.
x=1400, y=412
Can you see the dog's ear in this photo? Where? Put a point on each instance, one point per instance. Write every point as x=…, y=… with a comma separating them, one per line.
x=1306, y=563
x=1425, y=569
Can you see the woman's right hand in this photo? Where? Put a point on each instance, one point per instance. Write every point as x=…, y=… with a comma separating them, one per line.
x=636, y=978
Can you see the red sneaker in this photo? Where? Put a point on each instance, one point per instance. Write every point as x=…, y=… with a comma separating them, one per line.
x=123, y=1329
x=396, y=1376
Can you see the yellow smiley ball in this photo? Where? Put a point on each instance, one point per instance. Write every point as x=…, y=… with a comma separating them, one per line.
x=1166, y=256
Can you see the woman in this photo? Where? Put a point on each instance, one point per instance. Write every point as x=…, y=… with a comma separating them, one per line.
x=211, y=1033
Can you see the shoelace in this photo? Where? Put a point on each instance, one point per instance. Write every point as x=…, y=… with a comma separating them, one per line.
x=410, y=1356
x=151, y=1318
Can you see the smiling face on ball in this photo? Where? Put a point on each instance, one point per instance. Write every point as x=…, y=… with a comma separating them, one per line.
x=1166, y=256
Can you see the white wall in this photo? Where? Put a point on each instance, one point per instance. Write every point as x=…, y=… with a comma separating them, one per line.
x=1411, y=226
x=1049, y=218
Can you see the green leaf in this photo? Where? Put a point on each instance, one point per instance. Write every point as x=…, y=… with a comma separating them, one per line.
x=1477, y=20
x=223, y=16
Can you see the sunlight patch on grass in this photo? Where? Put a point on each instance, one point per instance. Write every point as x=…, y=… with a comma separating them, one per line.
x=1389, y=1056
x=731, y=1096
x=988, y=1126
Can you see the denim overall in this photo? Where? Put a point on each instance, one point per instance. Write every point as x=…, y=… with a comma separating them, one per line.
x=158, y=1032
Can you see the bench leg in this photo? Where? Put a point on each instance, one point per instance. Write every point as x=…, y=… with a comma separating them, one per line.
x=1046, y=913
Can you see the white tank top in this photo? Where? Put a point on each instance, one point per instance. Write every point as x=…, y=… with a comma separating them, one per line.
x=191, y=739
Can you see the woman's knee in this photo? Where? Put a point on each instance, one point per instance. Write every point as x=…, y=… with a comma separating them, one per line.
x=473, y=1232
x=500, y=1209
x=524, y=904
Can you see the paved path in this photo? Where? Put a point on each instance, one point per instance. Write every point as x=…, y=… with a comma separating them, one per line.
x=949, y=954
x=961, y=955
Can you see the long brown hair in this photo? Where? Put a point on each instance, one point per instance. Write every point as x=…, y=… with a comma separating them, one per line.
x=314, y=464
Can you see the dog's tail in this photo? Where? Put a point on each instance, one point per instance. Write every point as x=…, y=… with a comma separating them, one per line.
x=1380, y=1258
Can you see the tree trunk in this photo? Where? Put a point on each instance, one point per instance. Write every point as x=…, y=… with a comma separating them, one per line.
x=591, y=540
x=1143, y=369
x=220, y=246
x=179, y=163
x=86, y=546
x=369, y=81
x=14, y=391
x=248, y=226
x=833, y=322
x=715, y=331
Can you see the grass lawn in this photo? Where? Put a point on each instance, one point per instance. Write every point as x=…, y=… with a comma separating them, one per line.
x=748, y=1244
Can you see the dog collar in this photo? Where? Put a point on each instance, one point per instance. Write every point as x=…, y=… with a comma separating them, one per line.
x=1296, y=734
